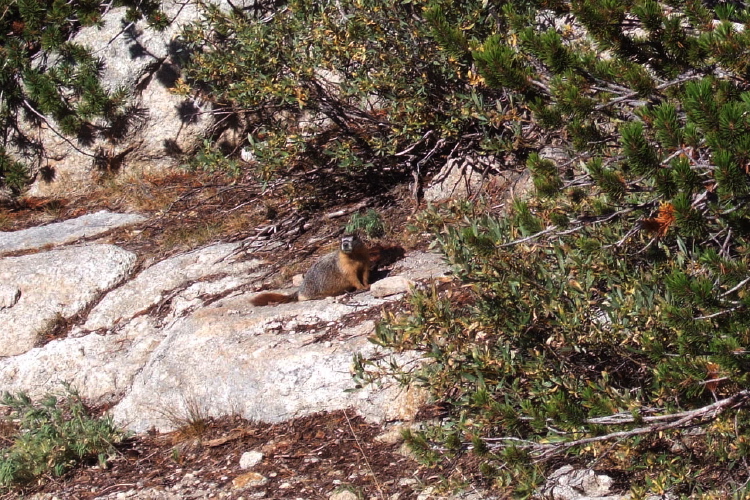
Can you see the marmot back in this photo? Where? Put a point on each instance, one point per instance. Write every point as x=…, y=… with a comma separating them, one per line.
x=337, y=272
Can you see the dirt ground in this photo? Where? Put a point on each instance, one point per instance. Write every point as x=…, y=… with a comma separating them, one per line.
x=311, y=457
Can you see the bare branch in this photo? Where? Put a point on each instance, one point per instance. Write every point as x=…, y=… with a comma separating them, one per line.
x=734, y=289
x=719, y=313
x=659, y=423
x=416, y=144
x=53, y=129
x=528, y=238
x=663, y=86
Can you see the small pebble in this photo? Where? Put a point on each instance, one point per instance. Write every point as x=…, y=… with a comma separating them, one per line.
x=250, y=459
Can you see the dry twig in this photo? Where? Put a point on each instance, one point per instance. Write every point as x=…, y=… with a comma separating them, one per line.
x=659, y=423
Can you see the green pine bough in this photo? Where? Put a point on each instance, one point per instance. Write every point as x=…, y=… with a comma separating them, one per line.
x=51, y=81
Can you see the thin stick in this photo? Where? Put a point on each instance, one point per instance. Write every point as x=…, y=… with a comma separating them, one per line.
x=367, y=462
x=739, y=285
x=53, y=129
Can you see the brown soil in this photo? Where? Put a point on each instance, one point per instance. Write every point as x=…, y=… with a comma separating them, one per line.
x=310, y=457
x=186, y=211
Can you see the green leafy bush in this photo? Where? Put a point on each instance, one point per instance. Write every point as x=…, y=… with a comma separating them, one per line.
x=606, y=318
x=370, y=223
x=353, y=85
x=53, y=435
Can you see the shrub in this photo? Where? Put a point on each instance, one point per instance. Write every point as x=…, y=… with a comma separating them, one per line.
x=606, y=318
x=352, y=85
x=370, y=223
x=53, y=435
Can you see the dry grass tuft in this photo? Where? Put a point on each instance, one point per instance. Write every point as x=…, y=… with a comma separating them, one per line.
x=145, y=193
x=190, y=420
x=189, y=237
x=5, y=221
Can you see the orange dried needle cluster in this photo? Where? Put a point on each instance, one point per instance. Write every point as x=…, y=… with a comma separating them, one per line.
x=659, y=225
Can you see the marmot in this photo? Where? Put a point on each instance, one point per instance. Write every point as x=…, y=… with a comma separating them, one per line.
x=335, y=273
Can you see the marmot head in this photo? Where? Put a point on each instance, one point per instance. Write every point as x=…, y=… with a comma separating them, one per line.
x=350, y=243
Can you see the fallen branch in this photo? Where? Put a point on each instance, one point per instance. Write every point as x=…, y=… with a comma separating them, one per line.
x=232, y=436
x=347, y=210
x=660, y=423
x=364, y=456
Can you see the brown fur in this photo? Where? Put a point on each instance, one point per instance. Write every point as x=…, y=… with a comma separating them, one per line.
x=267, y=298
x=337, y=272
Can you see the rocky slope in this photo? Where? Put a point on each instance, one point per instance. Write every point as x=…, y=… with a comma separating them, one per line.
x=180, y=335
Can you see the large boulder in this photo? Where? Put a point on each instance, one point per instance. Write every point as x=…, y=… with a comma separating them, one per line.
x=180, y=339
x=102, y=364
x=100, y=367
x=215, y=268
x=470, y=176
x=263, y=363
x=54, y=286
x=68, y=231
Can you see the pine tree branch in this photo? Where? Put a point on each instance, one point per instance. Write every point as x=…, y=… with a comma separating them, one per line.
x=123, y=30
x=632, y=95
x=683, y=419
x=31, y=108
x=582, y=224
